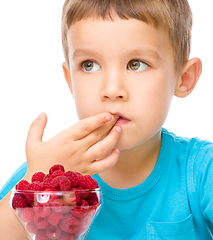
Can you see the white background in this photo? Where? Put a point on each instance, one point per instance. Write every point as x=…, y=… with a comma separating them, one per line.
x=31, y=78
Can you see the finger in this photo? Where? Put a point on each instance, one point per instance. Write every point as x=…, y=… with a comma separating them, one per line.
x=105, y=146
x=84, y=127
x=99, y=134
x=104, y=164
x=36, y=130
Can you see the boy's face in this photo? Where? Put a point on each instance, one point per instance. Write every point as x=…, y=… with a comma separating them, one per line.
x=124, y=67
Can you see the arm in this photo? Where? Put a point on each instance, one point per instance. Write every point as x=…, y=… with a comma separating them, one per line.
x=86, y=147
x=10, y=228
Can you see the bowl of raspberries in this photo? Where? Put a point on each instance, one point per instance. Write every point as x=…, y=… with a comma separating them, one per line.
x=58, y=205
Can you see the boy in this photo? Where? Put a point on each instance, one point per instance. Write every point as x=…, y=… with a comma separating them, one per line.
x=124, y=62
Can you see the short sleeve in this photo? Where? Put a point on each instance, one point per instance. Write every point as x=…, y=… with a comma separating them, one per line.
x=13, y=180
x=204, y=180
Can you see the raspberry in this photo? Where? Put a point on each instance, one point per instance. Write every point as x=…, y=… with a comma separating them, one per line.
x=80, y=177
x=57, y=173
x=83, y=193
x=69, y=223
x=92, y=199
x=66, y=236
x=73, y=177
x=19, y=201
x=87, y=182
x=57, y=205
x=47, y=176
x=41, y=235
x=34, y=187
x=27, y=215
x=56, y=167
x=54, y=218
x=42, y=210
x=61, y=183
x=38, y=177
x=80, y=211
x=53, y=232
x=31, y=227
x=47, y=183
x=41, y=223
x=21, y=185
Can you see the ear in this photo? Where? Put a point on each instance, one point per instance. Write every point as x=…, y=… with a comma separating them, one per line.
x=188, y=78
x=67, y=76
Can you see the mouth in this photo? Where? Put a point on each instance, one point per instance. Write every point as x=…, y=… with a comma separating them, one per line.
x=121, y=119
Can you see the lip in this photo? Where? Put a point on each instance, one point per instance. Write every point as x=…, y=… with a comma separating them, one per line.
x=121, y=120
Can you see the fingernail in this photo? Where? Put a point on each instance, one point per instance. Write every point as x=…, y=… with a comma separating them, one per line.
x=117, y=151
x=118, y=129
x=108, y=118
x=41, y=115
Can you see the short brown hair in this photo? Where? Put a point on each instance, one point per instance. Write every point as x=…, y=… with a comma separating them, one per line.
x=174, y=16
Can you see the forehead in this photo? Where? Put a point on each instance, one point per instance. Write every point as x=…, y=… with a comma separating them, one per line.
x=117, y=37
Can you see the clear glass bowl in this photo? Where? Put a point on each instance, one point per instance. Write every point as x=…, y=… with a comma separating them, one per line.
x=56, y=215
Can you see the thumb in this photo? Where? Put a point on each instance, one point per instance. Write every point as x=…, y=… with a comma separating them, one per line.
x=36, y=130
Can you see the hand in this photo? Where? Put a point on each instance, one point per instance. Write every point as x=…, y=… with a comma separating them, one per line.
x=86, y=147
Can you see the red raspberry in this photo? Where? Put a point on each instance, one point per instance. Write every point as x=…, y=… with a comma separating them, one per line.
x=21, y=185
x=80, y=211
x=87, y=182
x=57, y=173
x=27, y=215
x=73, y=177
x=38, y=177
x=41, y=235
x=80, y=177
x=92, y=199
x=83, y=193
x=69, y=223
x=41, y=223
x=57, y=205
x=54, y=218
x=42, y=210
x=31, y=227
x=56, y=167
x=33, y=187
x=53, y=232
x=19, y=201
x=47, y=183
x=61, y=183
x=78, y=174
x=66, y=236
x=47, y=176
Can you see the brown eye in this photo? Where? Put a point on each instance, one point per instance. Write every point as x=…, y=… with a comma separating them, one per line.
x=88, y=66
x=136, y=65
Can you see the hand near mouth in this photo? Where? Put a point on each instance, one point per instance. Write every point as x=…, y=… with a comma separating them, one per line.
x=78, y=147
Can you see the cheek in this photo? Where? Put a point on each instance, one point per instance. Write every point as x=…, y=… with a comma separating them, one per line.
x=155, y=101
x=84, y=98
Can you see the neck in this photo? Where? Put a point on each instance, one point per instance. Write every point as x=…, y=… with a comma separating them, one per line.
x=134, y=165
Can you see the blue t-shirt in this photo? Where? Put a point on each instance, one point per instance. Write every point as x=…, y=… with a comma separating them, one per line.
x=174, y=203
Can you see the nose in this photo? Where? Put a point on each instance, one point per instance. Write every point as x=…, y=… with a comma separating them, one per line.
x=114, y=87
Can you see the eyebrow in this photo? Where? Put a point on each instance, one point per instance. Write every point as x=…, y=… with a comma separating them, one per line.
x=82, y=52
x=144, y=52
